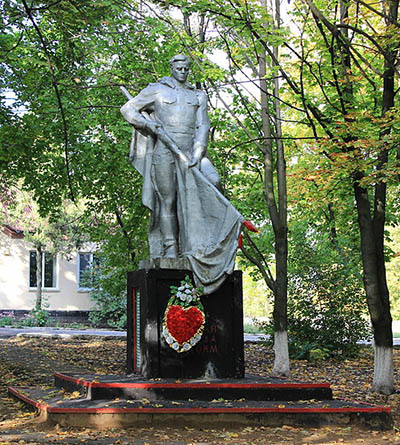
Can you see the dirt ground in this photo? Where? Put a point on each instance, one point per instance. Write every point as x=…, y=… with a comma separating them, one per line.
x=32, y=361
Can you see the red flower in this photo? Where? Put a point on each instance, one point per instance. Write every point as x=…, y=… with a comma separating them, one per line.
x=183, y=324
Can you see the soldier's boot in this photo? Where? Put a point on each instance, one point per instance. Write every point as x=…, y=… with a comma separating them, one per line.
x=170, y=249
x=169, y=230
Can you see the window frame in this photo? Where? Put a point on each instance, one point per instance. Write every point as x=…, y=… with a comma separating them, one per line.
x=78, y=272
x=55, y=271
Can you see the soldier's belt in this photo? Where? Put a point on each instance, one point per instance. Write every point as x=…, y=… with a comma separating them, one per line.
x=187, y=130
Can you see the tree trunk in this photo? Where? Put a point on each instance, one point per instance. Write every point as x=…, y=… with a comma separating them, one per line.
x=281, y=364
x=281, y=348
x=374, y=276
x=372, y=234
x=39, y=267
x=381, y=318
x=278, y=213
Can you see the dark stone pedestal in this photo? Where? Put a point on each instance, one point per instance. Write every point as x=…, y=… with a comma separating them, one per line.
x=219, y=354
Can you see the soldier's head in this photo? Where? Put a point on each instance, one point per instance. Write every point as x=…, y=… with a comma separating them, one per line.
x=180, y=66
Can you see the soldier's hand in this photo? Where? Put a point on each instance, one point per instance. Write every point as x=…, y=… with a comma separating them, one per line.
x=194, y=161
x=153, y=127
x=198, y=153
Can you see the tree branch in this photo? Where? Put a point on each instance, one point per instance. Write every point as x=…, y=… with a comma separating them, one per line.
x=386, y=17
x=58, y=95
x=264, y=270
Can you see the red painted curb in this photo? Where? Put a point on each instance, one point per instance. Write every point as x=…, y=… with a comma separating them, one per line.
x=15, y=392
x=190, y=385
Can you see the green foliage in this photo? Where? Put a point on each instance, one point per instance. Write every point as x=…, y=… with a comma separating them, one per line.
x=326, y=297
x=108, y=291
x=186, y=295
x=393, y=271
x=251, y=328
x=71, y=141
x=6, y=319
x=60, y=232
x=36, y=317
x=317, y=355
x=326, y=312
x=256, y=302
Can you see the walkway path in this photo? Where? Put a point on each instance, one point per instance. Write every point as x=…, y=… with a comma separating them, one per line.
x=68, y=333
x=59, y=332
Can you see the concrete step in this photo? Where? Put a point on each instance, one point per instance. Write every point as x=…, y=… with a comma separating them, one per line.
x=97, y=387
x=76, y=410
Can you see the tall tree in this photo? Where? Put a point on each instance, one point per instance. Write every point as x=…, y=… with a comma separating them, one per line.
x=276, y=199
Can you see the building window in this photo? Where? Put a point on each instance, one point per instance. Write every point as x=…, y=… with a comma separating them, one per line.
x=85, y=262
x=49, y=272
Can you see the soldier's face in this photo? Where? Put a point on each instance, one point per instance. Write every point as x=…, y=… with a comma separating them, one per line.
x=180, y=71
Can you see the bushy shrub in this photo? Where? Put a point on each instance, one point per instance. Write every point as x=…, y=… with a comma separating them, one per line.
x=326, y=315
x=108, y=291
x=6, y=319
x=36, y=317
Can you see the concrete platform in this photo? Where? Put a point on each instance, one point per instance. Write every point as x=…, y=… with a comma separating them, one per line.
x=251, y=387
x=56, y=406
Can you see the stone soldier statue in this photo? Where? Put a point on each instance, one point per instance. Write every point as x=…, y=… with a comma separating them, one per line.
x=190, y=218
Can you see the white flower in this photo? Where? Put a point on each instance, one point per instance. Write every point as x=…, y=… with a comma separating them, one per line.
x=183, y=297
x=179, y=294
x=181, y=288
x=188, y=291
x=175, y=346
x=188, y=286
x=189, y=298
x=186, y=347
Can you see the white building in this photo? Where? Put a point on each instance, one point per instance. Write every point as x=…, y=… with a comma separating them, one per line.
x=62, y=286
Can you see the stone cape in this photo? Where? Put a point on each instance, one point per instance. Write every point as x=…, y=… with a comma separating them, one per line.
x=209, y=225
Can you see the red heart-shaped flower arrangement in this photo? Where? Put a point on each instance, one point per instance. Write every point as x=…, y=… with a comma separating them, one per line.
x=184, y=318
x=183, y=324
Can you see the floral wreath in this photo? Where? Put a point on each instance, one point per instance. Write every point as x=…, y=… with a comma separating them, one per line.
x=184, y=318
